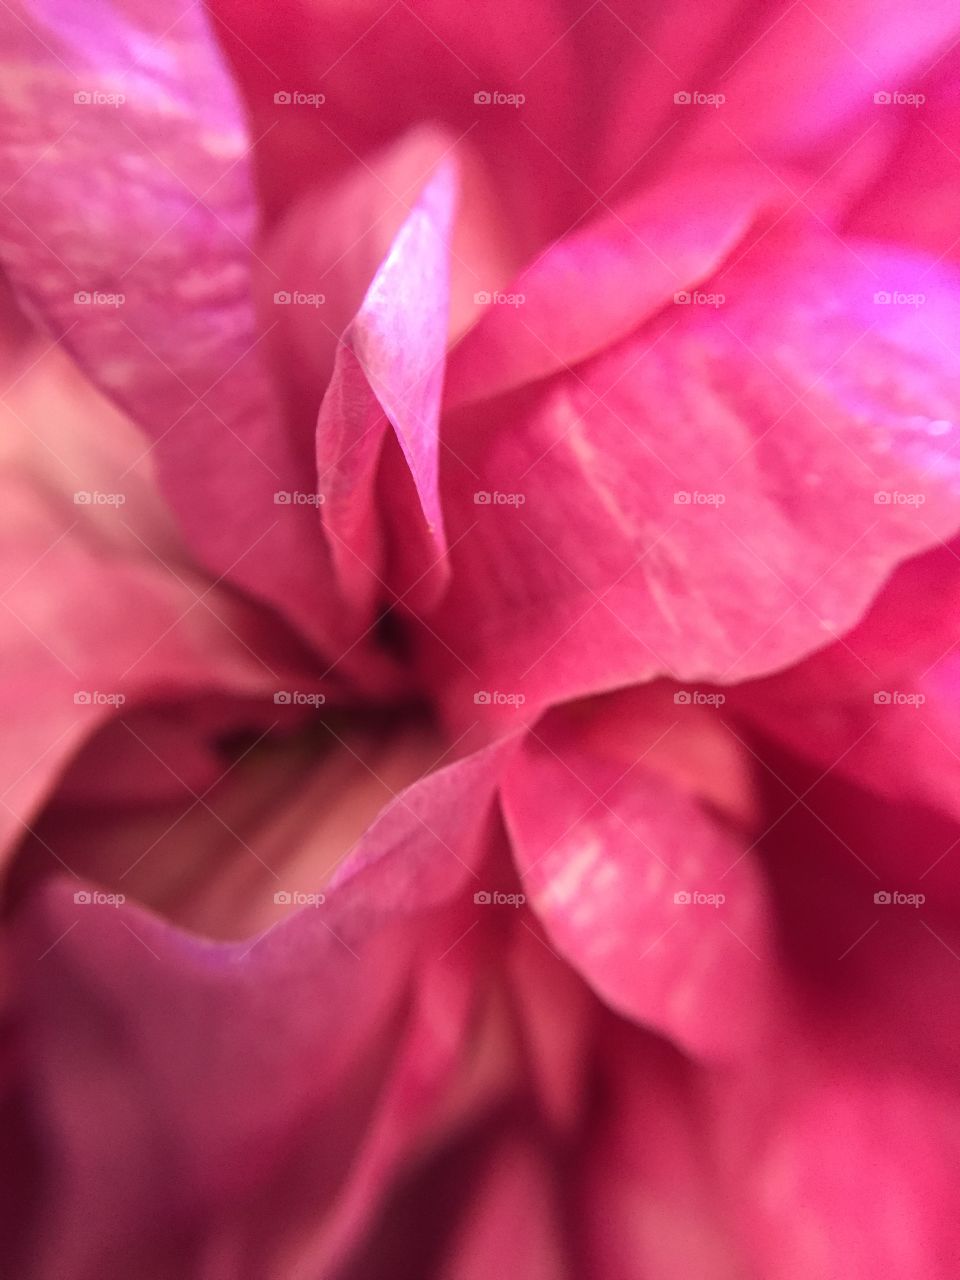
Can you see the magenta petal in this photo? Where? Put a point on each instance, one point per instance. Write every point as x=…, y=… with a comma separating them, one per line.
x=717, y=495
x=912, y=199
x=127, y=226
x=389, y=374
x=882, y=704
x=596, y=285
x=647, y=895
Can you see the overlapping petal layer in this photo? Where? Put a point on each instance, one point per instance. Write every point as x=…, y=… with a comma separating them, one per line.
x=127, y=225
x=715, y=496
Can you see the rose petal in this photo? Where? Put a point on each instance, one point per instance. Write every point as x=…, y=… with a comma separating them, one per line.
x=715, y=496
x=101, y=608
x=389, y=373
x=513, y=1222
x=171, y=1077
x=331, y=242
x=617, y=866
x=149, y=199
x=880, y=705
x=601, y=282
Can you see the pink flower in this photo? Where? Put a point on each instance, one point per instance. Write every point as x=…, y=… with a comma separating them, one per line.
x=480, y=587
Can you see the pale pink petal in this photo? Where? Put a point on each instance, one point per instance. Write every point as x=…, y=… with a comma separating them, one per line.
x=388, y=375
x=102, y=609
x=318, y=262
x=127, y=226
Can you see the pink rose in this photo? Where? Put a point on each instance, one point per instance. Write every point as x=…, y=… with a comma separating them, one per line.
x=480, y=594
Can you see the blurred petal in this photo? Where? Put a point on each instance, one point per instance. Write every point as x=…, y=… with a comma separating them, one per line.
x=127, y=227
x=913, y=199
x=101, y=607
x=881, y=705
x=172, y=1078
x=514, y=1223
